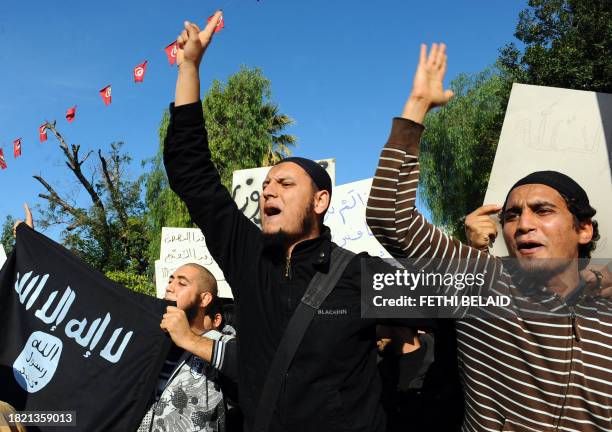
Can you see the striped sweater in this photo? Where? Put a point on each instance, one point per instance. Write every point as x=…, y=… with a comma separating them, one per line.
x=538, y=373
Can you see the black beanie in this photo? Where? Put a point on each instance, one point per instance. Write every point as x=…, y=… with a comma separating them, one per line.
x=316, y=172
x=560, y=182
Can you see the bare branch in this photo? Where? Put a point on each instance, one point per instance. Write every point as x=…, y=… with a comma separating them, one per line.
x=113, y=189
x=75, y=166
x=53, y=197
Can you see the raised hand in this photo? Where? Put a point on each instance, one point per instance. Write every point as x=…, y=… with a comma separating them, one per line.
x=427, y=87
x=480, y=229
x=29, y=220
x=175, y=323
x=192, y=42
x=191, y=45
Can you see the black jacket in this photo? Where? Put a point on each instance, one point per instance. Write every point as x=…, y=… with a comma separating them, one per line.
x=333, y=382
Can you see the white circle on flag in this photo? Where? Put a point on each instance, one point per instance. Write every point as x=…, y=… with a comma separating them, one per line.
x=139, y=71
x=173, y=52
x=108, y=92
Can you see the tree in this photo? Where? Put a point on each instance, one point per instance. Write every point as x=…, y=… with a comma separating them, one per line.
x=245, y=130
x=568, y=43
x=458, y=147
x=6, y=235
x=108, y=234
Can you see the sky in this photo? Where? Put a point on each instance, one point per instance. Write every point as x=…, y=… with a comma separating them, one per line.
x=342, y=70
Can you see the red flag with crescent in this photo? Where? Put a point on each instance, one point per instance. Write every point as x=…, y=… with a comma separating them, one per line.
x=42, y=132
x=139, y=72
x=17, y=148
x=171, y=52
x=106, y=95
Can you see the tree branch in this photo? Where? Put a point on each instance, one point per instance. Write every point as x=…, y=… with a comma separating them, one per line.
x=75, y=166
x=112, y=188
x=53, y=197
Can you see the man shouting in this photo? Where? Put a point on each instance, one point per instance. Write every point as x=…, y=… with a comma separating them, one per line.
x=330, y=382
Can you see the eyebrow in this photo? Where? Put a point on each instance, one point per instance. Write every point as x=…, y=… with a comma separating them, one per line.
x=278, y=179
x=534, y=204
x=180, y=277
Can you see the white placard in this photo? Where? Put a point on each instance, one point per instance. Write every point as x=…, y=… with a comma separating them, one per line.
x=569, y=131
x=346, y=217
x=246, y=187
x=2, y=256
x=181, y=246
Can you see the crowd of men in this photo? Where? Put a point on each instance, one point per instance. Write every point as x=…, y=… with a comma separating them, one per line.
x=294, y=364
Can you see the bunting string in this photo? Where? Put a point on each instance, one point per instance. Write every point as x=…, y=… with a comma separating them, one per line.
x=139, y=72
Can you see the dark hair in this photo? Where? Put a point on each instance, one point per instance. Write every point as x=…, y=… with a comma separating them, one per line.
x=214, y=307
x=583, y=213
x=229, y=314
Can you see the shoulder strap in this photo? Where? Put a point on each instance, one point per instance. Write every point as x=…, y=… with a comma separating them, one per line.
x=319, y=288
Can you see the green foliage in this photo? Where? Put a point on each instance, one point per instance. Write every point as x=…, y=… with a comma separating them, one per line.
x=458, y=147
x=568, y=43
x=6, y=235
x=164, y=207
x=133, y=281
x=245, y=130
x=110, y=233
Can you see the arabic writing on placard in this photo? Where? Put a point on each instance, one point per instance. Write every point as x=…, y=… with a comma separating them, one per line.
x=180, y=246
x=55, y=310
x=346, y=219
x=246, y=187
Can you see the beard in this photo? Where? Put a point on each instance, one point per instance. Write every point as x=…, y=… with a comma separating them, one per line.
x=278, y=242
x=543, y=269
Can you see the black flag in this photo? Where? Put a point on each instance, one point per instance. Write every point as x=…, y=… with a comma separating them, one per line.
x=74, y=341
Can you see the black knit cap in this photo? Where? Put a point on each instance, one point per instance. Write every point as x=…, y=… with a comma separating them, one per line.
x=316, y=172
x=558, y=181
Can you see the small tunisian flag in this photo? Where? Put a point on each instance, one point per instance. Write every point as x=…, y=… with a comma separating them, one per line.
x=139, y=72
x=2, y=161
x=171, y=52
x=42, y=132
x=220, y=25
x=17, y=147
x=70, y=113
x=106, y=95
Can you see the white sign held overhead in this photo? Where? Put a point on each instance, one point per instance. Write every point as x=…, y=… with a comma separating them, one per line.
x=347, y=219
x=569, y=131
x=246, y=187
x=181, y=246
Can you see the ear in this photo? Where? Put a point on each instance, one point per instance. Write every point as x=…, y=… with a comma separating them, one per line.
x=217, y=321
x=206, y=298
x=321, y=202
x=585, y=232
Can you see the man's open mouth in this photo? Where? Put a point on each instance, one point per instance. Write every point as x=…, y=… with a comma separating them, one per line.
x=271, y=211
x=528, y=247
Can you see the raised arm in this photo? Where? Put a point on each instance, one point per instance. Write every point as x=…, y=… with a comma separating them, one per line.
x=391, y=211
x=190, y=170
x=29, y=220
